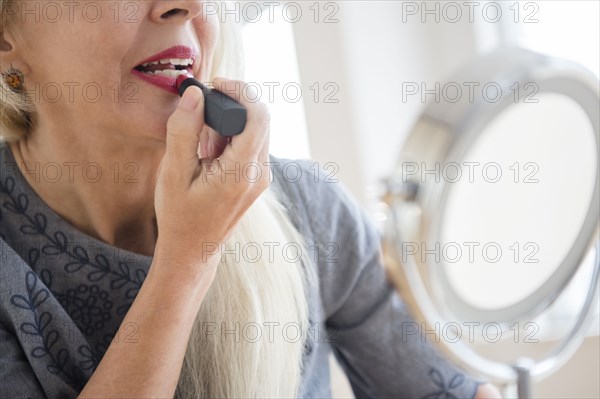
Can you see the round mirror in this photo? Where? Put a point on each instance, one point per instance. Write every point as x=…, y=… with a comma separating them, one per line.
x=516, y=202
x=494, y=204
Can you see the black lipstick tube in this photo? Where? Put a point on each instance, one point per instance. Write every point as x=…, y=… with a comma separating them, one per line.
x=221, y=112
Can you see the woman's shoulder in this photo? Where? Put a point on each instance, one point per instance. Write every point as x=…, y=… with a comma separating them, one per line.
x=323, y=208
x=343, y=238
x=313, y=182
x=309, y=180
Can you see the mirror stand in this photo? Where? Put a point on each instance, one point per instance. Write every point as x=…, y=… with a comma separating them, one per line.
x=523, y=370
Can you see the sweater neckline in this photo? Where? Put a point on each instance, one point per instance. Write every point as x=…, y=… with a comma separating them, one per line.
x=21, y=183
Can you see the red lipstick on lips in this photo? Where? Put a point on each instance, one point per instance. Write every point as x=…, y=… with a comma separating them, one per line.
x=146, y=69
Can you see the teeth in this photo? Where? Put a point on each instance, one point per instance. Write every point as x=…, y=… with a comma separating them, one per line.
x=176, y=61
x=145, y=64
x=169, y=72
x=180, y=61
x=172, y=61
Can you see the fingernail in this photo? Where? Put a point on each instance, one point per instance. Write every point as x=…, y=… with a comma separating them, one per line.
x=190, y=99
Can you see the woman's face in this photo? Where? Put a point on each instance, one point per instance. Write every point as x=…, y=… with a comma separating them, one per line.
x=79, y=61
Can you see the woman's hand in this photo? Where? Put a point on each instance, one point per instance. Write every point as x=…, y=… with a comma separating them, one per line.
x=488, y=391
x=199, y=202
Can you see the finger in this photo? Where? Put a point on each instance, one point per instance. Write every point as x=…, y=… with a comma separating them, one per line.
x=212, y=143
x=183, y=133
x=202, y=150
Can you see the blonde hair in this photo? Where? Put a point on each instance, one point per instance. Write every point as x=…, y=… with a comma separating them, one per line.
x=241, y=345
x=262, y=293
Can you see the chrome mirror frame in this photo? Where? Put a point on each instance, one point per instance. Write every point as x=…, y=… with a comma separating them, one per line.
x=443, y=134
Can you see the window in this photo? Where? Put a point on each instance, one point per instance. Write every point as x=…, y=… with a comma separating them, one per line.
x=565, y=29
x=272, y=68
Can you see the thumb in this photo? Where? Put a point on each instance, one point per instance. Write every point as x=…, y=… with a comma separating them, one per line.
x=183, y=132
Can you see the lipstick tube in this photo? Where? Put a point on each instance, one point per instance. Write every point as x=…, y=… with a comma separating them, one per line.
x=221, y=112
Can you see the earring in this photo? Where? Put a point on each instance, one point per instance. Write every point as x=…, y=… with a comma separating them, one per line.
x=14, y=79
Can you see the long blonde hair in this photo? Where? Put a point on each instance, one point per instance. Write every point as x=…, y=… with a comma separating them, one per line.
x=249, y=335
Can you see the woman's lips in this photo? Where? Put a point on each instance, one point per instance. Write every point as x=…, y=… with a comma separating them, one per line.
x=163, y=68
x=180, y=52
x=168, y=83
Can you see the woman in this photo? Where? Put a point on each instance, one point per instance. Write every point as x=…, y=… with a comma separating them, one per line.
x=138, y=260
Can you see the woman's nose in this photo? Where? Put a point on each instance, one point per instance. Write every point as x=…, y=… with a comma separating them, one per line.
x=175, y=11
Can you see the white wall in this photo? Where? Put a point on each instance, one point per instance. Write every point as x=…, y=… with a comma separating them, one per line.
x=369, y=53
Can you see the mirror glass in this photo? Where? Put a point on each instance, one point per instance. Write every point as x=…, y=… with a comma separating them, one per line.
x=517, y=200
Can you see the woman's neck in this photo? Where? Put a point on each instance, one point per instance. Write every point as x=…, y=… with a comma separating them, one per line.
x=105, y=189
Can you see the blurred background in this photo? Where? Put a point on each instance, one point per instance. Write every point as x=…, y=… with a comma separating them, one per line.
x=333, y=73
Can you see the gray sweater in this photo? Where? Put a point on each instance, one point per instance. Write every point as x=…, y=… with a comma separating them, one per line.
x=64, y=294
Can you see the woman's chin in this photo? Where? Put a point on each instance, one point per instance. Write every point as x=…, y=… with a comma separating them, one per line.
x=149, y=130
x=151, y=124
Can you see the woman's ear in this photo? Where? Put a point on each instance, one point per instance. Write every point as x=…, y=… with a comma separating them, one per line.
x=4, y=45
x=6, y=50
x=9, y=55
